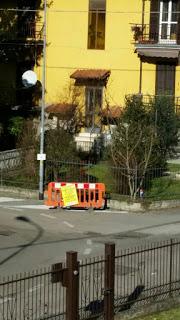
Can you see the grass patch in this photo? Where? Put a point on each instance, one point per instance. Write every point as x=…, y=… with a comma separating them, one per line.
x=103, y=173
x=164, y=188
x=173, y=314
x=19, y=179
x=174, y=167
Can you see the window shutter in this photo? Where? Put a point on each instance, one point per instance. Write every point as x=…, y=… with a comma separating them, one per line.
x=178, y=20
x=154, y=19
x=165, y=79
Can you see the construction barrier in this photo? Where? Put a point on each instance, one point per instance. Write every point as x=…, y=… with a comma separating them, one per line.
x=89, y=195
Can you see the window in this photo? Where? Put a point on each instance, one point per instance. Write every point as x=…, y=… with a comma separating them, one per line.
x=165, y=79
x=93, y=105
x=168, y=21
x=96, y=24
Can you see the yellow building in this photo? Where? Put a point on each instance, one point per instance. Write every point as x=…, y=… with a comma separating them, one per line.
x=90, y=45
x=110, y=49
x=106, y=49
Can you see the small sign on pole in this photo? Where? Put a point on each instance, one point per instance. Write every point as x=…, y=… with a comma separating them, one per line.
x=41, y=156
x=69, y=195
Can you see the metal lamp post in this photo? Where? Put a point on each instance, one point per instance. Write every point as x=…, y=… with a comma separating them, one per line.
x=42, y=156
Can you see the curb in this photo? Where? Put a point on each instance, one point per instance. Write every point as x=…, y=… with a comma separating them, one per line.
x=141, y=206
x=27, y=193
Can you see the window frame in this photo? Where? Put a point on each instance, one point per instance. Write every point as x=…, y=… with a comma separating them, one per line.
x=165, y=79
x=92, y=114
x=169, y=23
x=96, y=11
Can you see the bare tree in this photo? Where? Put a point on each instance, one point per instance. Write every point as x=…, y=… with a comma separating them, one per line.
x=131, y=149
x=68, y=109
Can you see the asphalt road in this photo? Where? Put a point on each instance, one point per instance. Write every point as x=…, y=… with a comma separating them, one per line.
x=49, y=234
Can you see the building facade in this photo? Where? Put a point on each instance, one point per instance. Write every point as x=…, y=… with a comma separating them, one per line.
x=90, y=45
x=110, y=49
x=104, y=49
x=157, y=45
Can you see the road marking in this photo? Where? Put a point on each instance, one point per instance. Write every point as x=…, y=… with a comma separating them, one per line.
x=47, y=216
x=14, y=209
x=6, y=199
x=87, y=251
x=33, y=206
x=68, y=224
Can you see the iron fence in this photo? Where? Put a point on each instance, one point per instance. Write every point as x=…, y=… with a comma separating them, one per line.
x=10, y=159
x=94, y=287
x=91, y=283
x=157, y=183
x=147, y=275
x=31, y=296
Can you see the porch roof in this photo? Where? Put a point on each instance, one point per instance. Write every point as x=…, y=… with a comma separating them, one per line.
x=158, y=53
x=90, y=74
x=64, y=110
x=113, y=112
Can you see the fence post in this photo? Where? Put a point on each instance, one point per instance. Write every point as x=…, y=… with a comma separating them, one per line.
x=170, y=266
x=72, y=291
x=109, y=281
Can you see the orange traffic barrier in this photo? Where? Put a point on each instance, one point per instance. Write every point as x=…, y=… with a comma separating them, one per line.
x=90, y=195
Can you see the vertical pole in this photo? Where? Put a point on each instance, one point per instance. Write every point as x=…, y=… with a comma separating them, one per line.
x=170, y=266
x=72, y=292
x=43, y=103
x=109, y=281
x=136, y=181
x=140, y=77
x=140, y=67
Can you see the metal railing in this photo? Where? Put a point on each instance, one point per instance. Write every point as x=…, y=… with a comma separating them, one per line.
x=155, y=269
x=26, y=31
x=144, y=34
x=148, y=99
x=96, y=287
x=10, y=159
x=157, y=183
x=115, y=178
x=32, y=296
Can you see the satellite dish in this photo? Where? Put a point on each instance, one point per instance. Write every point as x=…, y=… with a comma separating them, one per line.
x=29, y=78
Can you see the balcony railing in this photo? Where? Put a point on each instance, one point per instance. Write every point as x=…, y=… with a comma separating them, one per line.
x=147, y=99
x=143, y=34
x=31, y=31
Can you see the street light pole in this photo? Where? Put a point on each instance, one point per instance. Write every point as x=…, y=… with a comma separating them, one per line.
x=43, y=103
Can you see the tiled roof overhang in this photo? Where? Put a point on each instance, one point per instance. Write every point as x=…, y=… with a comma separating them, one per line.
x=112, y=112
x=62, y=110
x=91, y=74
